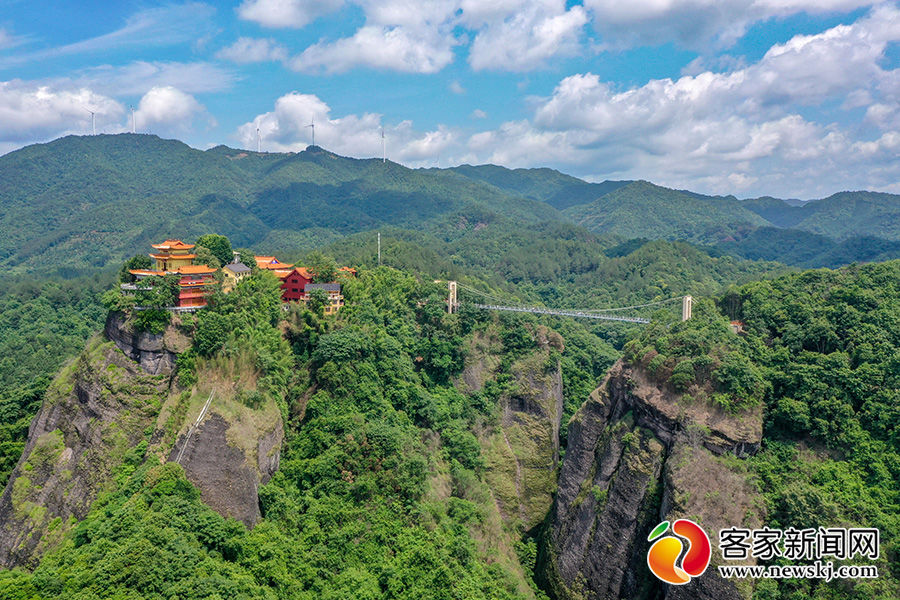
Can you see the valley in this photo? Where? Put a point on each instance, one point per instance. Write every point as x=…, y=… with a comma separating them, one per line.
x=261, y=445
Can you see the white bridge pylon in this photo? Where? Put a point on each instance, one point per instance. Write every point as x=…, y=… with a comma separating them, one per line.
x=600, y=314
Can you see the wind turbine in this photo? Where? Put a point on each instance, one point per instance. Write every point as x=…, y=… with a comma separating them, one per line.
x=93, y=127
x=312, y=123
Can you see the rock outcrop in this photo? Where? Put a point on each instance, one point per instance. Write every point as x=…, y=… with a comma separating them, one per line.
x=154, y=352
x=227, y=472
x=522, y=454
x=96, y=410
x=103, y=405
x=635, y=457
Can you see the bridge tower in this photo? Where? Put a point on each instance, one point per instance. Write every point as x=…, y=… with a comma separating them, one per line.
x=687, y=304
x=452, y=302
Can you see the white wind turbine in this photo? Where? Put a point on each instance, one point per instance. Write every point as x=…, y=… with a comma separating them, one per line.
x=93, y=127
x=312, y=123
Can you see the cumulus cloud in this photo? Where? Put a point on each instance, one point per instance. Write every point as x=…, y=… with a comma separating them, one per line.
x=168, y=108
x=286, y=13
x=30, y=112
x=525, y=37
x=250, y=50
x=285, y=129
x=730, y=131
x=456, y=87
x=397, y=48
x=419, y=37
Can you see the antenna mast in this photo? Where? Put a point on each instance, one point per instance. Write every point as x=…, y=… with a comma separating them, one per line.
x=257, y=140
x=132, y=120
x=383, y=154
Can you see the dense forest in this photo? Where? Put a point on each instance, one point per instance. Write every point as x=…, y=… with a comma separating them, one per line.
x=82, y=203
x=381, y=491
x=406, y=432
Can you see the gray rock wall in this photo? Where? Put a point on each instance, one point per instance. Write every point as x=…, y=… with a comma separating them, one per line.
x=618, y=480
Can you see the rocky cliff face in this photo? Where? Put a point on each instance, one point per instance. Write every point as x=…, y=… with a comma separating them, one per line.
x=94, y=412
x=522, y=453
x=117, y=394
x=635, y=457
x=155, y=353
x=228, y=472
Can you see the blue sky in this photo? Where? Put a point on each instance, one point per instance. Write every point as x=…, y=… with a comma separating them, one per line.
x=793, y=98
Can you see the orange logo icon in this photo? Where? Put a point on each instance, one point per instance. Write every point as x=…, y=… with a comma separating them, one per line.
x=663, y=555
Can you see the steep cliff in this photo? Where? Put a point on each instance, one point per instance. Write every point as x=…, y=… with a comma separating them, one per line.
x=521, y=453
x=638, y=455
x=232, y=451
x=107, y=408
x=155, y=353
x=97, y=409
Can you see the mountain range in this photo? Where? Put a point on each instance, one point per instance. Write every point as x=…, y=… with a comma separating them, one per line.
x=83, y=202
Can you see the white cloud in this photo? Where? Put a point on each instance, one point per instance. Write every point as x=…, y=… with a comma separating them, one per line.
x=525, y=38
x=694, y=23
x=8, y=40
x=726, y=132
x=286, y=129
x=479, y=114
x=396, y=48
x=456, y=87
x=30, y=112
x=140, y=76
x=286, y=13
x=250, y=50
x=167, y=107
x=153, y=27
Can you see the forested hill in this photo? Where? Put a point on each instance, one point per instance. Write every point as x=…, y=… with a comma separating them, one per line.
x=85, y=202
x=81, y=203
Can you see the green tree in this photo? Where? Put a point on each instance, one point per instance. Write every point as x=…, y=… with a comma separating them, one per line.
x=206, y=257
x=219, y=245
x=322, y=267
x=138, y=261
x=318, y=300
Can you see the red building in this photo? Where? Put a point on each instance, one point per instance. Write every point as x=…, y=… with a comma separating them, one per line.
x=294, y=285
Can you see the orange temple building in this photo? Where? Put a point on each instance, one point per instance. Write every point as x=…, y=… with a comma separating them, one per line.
x=174, y=257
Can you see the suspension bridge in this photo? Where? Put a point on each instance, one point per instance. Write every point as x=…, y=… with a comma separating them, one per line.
x=489, y=302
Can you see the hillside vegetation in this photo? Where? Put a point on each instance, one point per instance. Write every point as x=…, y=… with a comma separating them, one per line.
x=820, y=353
x=77, y=204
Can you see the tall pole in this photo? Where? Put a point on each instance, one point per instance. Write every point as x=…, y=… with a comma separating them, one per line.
x=379, y=248
x=686, y=306
x=257, y=140
x=383, y=154
x=133, y=127
x=451, y=297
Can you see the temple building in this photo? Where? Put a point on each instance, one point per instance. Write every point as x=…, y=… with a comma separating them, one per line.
x=298, y=284
x=233, y=273
x=174, y=257
x=270, y=263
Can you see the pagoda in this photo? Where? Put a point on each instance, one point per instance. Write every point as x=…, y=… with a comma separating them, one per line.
x=174, y=257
